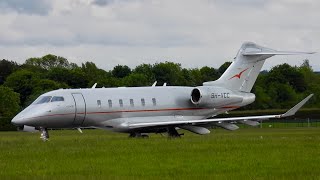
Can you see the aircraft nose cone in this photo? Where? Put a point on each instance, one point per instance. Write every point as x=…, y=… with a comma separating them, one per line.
x=17, y=121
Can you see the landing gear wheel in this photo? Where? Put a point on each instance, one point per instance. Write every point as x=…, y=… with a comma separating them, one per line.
x=138, y=135
x=134, y=135
x=173, y=133
x=44, y=134
x=144, y=135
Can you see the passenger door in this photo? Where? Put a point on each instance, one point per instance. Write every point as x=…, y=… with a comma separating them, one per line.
x=80, y=109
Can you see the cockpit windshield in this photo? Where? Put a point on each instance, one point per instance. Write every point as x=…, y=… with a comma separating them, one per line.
x=42, y=99
x=57, y=98
x=46, y=99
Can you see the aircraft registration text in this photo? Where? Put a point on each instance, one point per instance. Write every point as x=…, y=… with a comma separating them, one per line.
x=220, y=95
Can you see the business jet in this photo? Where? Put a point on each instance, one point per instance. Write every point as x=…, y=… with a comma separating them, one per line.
x=156, y=109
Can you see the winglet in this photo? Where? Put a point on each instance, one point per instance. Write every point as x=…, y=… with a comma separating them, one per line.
x=293, y=110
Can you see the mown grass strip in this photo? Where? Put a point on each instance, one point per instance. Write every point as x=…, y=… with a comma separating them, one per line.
x=268, y=153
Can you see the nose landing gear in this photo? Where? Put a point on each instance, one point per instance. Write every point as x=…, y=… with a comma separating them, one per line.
x=44, y=134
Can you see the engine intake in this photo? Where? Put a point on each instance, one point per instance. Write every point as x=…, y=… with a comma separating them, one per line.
x=195, y=96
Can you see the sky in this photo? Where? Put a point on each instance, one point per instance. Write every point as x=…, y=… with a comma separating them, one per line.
x=194, y=33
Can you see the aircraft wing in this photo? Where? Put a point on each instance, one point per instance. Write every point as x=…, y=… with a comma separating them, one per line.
x=290, y=112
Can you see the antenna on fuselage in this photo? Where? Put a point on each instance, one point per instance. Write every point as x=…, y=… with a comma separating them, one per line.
x=154, y=84
x=94, y=86
x=164, y=84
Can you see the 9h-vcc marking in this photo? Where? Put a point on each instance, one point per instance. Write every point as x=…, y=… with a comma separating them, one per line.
x=220, y=95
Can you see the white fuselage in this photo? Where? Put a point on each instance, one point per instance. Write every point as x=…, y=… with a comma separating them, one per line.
x=139, y=110
x=111, y=108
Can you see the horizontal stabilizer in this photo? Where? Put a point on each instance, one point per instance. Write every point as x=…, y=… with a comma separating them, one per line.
x=256, y=53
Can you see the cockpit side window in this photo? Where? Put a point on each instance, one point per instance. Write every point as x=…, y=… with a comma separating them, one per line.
x=43, y=99
x=57, y=98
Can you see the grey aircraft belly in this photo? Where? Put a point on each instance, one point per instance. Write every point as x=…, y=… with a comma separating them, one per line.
x=156, y=109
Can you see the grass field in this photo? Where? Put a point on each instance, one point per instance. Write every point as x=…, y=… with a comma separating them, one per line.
x=252, y=153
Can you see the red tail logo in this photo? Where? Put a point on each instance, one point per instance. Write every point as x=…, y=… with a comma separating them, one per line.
x=238, y=75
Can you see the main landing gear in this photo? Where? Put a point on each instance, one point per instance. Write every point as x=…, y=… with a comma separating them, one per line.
x=138, y=135
x=44, y=134
x=173, y=133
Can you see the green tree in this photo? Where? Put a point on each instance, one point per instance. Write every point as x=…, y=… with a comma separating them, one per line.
x=6, y=68
x=209, y=74
x=147, y=70
x=9, y=104
x=313, y=83
x=93, y=73
x=78, y=79
x=306, y=70
x=187, y=78
x=168, y=72
x=263, y=100
x=74, y=78
x=135, y=80
x=109, y=82
x=121, y=71
x=224, y=67
x=50, y=61
x=191, y=77
x=47, y=85
x=285, y=73
x=283, y=95
x=59, y=74
x=22, y=82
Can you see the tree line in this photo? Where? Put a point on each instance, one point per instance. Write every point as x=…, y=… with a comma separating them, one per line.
x=21, y=84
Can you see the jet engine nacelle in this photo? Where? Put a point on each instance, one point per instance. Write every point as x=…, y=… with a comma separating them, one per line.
x=210, y=96
x=27, y=128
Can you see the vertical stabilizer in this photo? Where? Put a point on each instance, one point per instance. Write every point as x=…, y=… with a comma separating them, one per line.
x=244, y=70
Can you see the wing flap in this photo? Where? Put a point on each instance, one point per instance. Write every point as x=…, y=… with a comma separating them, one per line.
x=227, y=126
x=196, y=129
x=250, y=123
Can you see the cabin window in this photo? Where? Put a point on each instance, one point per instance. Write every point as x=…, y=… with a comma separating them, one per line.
x=131, y=103
x=110, y=103
x=99, y=103
x=43, y=99
x=120, y=102
x=154, y=101
x=57, y=98
x=143, y=102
